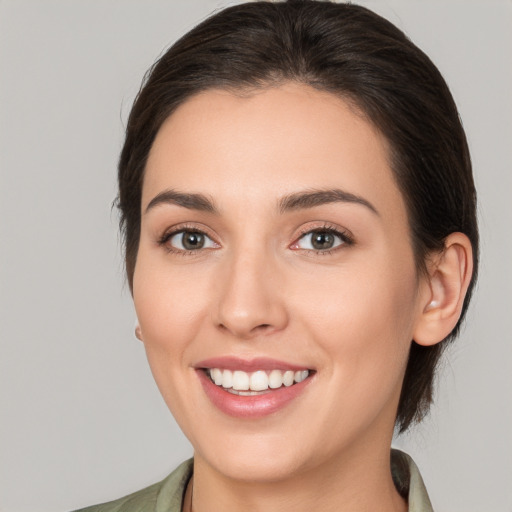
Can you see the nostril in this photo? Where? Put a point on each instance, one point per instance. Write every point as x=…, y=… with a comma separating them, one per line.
x=262, y=327
x=246, y=332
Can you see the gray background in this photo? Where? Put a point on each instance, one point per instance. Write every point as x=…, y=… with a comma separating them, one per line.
x=81, y=420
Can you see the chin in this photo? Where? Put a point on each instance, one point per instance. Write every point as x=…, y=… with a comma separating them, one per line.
x=254, y=455
x=257, y=465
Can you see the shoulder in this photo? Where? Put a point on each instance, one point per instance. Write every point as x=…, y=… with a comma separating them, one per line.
x=140, y=501
x=165, y=495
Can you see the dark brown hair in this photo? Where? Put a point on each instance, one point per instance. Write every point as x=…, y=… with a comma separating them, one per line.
x=351, y=52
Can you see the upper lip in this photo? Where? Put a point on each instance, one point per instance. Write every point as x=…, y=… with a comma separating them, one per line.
x=248, y=365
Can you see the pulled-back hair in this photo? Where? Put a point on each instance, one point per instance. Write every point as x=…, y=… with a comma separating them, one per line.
x=357, y=55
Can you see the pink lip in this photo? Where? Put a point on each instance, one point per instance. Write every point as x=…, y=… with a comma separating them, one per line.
x=248, y=365
x=255, y=406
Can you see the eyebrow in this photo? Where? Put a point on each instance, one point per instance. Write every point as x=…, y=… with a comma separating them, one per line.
x=190, y=201
x=312, y=198
x=296, y=201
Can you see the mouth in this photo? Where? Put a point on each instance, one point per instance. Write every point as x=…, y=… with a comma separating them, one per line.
x=242, y=383
x=252, y=389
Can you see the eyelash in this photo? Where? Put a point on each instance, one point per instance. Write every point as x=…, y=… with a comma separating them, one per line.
x=167, y=236
x=344, y=235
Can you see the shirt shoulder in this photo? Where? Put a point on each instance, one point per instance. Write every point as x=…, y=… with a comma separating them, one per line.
x=408, y=481
x=165, y=495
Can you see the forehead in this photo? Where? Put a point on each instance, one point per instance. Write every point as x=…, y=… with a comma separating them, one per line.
x=256, y=147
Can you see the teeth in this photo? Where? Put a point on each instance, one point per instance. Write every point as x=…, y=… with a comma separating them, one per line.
x=258, y=381
x=275, y=379
x=217, y=376
x=227, y=379
x=240, y=381
x=301, y=375
x=246, y=383
x=288, y=378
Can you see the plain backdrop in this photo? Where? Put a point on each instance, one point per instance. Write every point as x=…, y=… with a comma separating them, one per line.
x=81, y=420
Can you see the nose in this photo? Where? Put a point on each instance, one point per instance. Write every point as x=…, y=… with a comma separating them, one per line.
x=251, y=297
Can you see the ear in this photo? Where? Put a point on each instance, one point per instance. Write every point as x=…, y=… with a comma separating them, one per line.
x=138, y=331
x=443, y=292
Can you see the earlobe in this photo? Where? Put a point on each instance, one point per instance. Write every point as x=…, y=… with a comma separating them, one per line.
x=138, y=332
x=449, y=275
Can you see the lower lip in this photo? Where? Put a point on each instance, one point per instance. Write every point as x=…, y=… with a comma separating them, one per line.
x=255, y=406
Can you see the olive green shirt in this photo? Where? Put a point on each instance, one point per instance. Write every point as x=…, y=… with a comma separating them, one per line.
x=167, y=495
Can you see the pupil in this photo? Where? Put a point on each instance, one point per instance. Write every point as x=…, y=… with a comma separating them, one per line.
x=192, y=240
x=323, y=240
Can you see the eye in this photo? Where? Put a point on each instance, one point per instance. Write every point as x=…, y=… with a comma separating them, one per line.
x=322, y=240
x=188, y=240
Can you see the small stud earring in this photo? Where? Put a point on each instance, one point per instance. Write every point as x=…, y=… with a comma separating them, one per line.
x=433, y=304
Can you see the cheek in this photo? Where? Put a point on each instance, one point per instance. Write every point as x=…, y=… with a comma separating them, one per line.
x=170, y=303
x=363, y=327
x=167, y=297
x=363, y=319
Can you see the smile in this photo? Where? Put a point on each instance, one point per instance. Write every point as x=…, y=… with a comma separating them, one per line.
x=243, y=383
x=253, y=388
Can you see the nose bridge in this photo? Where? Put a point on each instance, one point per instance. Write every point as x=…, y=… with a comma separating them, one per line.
x=249, y=299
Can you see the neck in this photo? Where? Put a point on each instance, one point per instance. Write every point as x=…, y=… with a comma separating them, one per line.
x=351, y=482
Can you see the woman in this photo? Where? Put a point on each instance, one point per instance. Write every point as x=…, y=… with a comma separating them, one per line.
x=299, y=217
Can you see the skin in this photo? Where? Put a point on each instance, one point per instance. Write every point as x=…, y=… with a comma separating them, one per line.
x=258, y=289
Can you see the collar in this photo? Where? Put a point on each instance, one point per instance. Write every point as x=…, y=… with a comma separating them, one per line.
x=409, y=483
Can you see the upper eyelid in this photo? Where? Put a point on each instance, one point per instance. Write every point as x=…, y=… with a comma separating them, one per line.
x=343, y=237
x=180, y=228
x=170, y=233
x=344, y=233
x=325, y=226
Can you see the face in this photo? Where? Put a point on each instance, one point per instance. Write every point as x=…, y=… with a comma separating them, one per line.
x=275, y=258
